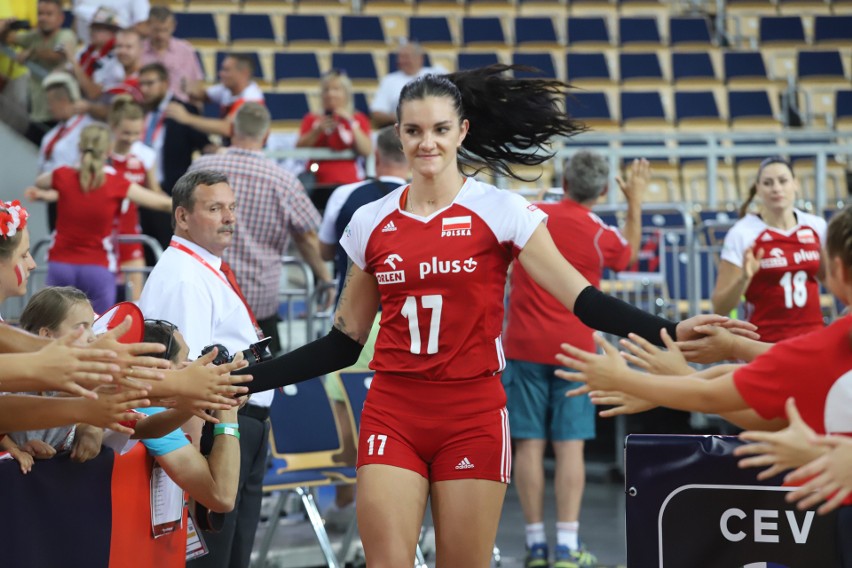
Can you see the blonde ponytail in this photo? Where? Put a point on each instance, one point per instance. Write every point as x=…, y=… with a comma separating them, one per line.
x=94, y=145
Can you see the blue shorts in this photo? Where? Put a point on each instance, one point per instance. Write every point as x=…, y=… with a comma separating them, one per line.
x=538, y=407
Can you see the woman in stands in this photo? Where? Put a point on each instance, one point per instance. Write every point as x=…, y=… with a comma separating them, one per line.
x=134, y=161
x=772, y=257
x=435, y=254
x=90, y=197
x=338, y=128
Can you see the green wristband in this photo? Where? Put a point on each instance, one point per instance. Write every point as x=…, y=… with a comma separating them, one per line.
x=226, y=429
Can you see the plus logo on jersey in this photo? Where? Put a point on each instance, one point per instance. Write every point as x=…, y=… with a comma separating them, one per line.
x=393, y=276
x=805, y=256
x=456, y=226
x=436, y=266
x=776, y=259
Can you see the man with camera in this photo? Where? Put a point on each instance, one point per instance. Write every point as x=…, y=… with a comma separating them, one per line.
x=192, y=287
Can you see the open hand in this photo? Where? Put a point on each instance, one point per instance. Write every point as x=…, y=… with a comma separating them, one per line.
x=828, y=478
x=686, y=329
x=646, y=355
x=597, y=371
x=114, y=406
x=63, y=367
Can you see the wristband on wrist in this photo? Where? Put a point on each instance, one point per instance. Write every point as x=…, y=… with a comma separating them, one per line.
x=227, y=429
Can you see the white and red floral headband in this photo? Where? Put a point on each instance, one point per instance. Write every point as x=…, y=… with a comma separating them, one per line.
x=13, y=218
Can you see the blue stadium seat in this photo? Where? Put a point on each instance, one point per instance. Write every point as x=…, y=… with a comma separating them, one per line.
x=359, y=66
x=591, y=30
x=430, y=30
x=689, y=31
x=821, y=65
x=695, y=106
x=306, y=28
x=843, y=105
x=744, y=65
x=639, y=31
x=781, y=29
x=293, y=66
x=640, y=67
x=475, y=60
x=361, y=104
x=535, y=31
x=361, y=29
x=692, y=67
x=393, y=66
x=482, y=30
x=592, y=107
x=258, y=68
x=587, y=67
x=750, y=106
x=642, y=106
x=67, y=19
x=253, y=28
x=541, y=61
x=833, y=29
x=287, y=107
x=196, y=27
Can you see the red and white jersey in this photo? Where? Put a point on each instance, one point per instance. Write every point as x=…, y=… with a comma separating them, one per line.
x=134, y=167
x=441, y=278
x=782, y=299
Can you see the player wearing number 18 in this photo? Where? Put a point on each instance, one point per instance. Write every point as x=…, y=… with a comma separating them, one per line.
x=436, y=253
x=774, y=259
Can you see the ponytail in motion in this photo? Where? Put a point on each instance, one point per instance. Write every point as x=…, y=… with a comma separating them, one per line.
x=94, y=145
x=512, y=120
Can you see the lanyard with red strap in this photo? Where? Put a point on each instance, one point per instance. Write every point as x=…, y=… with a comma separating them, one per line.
x=232, y=285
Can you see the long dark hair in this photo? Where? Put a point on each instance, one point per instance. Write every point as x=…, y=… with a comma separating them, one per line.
x=512, y=120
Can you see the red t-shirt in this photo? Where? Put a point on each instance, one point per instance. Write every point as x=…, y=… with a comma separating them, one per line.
x=441, y=279
x=815, y=369
x=538, y=322
x=85, y=221
x=341, y=138
x=131, y=168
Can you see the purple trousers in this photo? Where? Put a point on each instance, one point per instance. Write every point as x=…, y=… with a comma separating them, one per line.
x=96, y=281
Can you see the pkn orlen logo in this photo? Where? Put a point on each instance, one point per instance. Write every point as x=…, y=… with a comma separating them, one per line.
x=393, y=276
x=455, y=226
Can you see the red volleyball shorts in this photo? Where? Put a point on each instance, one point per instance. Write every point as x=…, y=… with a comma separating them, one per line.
x=442, y=430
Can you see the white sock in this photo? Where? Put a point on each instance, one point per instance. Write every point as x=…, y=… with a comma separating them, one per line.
x=535, y=534
x=567, y=535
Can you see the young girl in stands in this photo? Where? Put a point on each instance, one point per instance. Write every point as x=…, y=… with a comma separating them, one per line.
x=813, y=369
x=54, y=312
x=772, y=257
x=435, y=253
x=136, y=163
x=89, y=202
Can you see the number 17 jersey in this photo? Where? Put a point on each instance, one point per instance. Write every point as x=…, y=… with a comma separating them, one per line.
x=441, y=278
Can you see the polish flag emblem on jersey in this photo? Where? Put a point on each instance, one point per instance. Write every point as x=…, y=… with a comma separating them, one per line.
x=455, y=226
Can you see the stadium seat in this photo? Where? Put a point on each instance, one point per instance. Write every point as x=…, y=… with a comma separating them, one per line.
x=540, y=7
x=833, y=30
x=361, y=31
x=258, y=67
x=475, y=60
x=689, y=32
x=306, y=29
x=751, y=108
x=745, y=67
x=694, y=68
x=801, y=7
x=254, y=29
x=639, y=32
x=592, y=108
x=587, y=69
x=196, y=27
x=781, y=30
x=644, y=107
x=535, y=32
x=824, y=67
x=430, y=31
x=588, y=32
x=361, y=103
x=287, y=109
x=393, y=66
x=843, y=108
x=452, y=8
x=360, y=67
x=640, y=68
x=697, y=108
x=297, y=69
x=482, y=32
x=541, y=61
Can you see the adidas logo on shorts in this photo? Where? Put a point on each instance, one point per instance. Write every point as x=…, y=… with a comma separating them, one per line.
x=465, y=464
x=389, y=227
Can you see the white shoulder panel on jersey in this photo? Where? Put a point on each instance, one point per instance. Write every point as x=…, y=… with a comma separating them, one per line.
x=364, y=221
x=146, y=154
x=741, y=237
x=511, y=217
x=815, y=222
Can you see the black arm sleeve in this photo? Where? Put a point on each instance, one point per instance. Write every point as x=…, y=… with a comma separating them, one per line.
x=330, y=353
x=611, y=315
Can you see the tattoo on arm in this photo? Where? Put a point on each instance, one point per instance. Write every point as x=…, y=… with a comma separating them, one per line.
x=339, y=322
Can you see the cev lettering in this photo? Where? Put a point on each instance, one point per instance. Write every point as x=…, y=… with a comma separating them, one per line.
x=765, y=525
